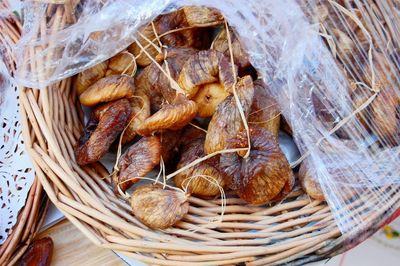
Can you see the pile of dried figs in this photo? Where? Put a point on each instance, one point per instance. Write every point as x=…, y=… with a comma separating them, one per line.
x=184, y=97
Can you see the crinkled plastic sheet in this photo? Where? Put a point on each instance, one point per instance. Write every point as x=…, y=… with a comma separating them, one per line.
x=360, y=177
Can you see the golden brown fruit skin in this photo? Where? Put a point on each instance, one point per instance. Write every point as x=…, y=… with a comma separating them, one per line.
x=137, y=161
x=226, y=122
x=140, y=105
x=108, y=89
x=206, y=67
x=122, y=63
x=101, y=130
x=171, y=116
x=208, y=98
x=259, y=178
x=286, y=189
x=159, y=208
x=147, y=81
x=39, y=253
x=89, y=76
x=210, y=168
x=221, y=44
x=309, y=183
x=264, y=110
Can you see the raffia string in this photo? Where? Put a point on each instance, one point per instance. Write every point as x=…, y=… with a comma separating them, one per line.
x=238, y=104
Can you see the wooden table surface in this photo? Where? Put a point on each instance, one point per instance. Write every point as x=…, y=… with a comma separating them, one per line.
x=71, y=247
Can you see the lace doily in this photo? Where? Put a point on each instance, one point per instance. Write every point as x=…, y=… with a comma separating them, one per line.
x=16, y=170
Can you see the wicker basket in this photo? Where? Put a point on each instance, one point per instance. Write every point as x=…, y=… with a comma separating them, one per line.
x=296, y=230
x=30, y=217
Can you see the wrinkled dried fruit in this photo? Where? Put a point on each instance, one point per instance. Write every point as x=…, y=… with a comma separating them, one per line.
x=159, y=208
x=140, y=105
x=226, y=122
x=101, y=130
x=190, y=134
x=122, y=63
x=169, y=140
x=261, y=177
x=155, y=83
x=209, y=169
x=196, y=37
x=173, y=62
x=206, y=67
x=171, y=116
x=39, y=253
x=89, y=76
x=309, y=182
x=137, y=161
x=221, y=44
x=264, y=110
x=208, y=98
x=108, y=89
x=286, y=189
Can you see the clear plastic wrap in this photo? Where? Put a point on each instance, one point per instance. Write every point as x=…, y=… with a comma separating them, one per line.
x=355, y=160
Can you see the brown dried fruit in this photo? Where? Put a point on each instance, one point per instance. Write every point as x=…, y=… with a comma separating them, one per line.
x=159, y=208
x=264, y=110
x=209, y=168
x=89, y=76
x=140, y=105
x=261, y=177
x=171, y=116
x=206, y=67
x=226, y=122
x=190, y=134
x=195, y=37
x=101, y=130
x=137, y=161
x=155, y=83
x=108, y=89
x=38, y=253
x=208, y=98
x=122, y=63
x=221, y=44
x=286, y=189
x=309, y=183
x=169, y=140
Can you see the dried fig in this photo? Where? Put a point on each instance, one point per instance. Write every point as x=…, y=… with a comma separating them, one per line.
x=140, y=105
x=171, y=116
x=38, y=253
x=261, y=177
x=221, y=44
x=102, y=129
x=137, y=161
x=206, y=67
x=208, y=169
x=147, y=81
x=196, y=37
x=155, y=83
x=208, y=98
x=190, y=134
x=159, y=208
x=286, y=189
x=89, y=76
x=169, y=140
x=122, y=63
x=226, y=121
x=309, y=183
x=108, y=89
x=264, y=110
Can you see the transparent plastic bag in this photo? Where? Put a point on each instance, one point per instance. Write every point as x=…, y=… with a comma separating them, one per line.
x=356, y=164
